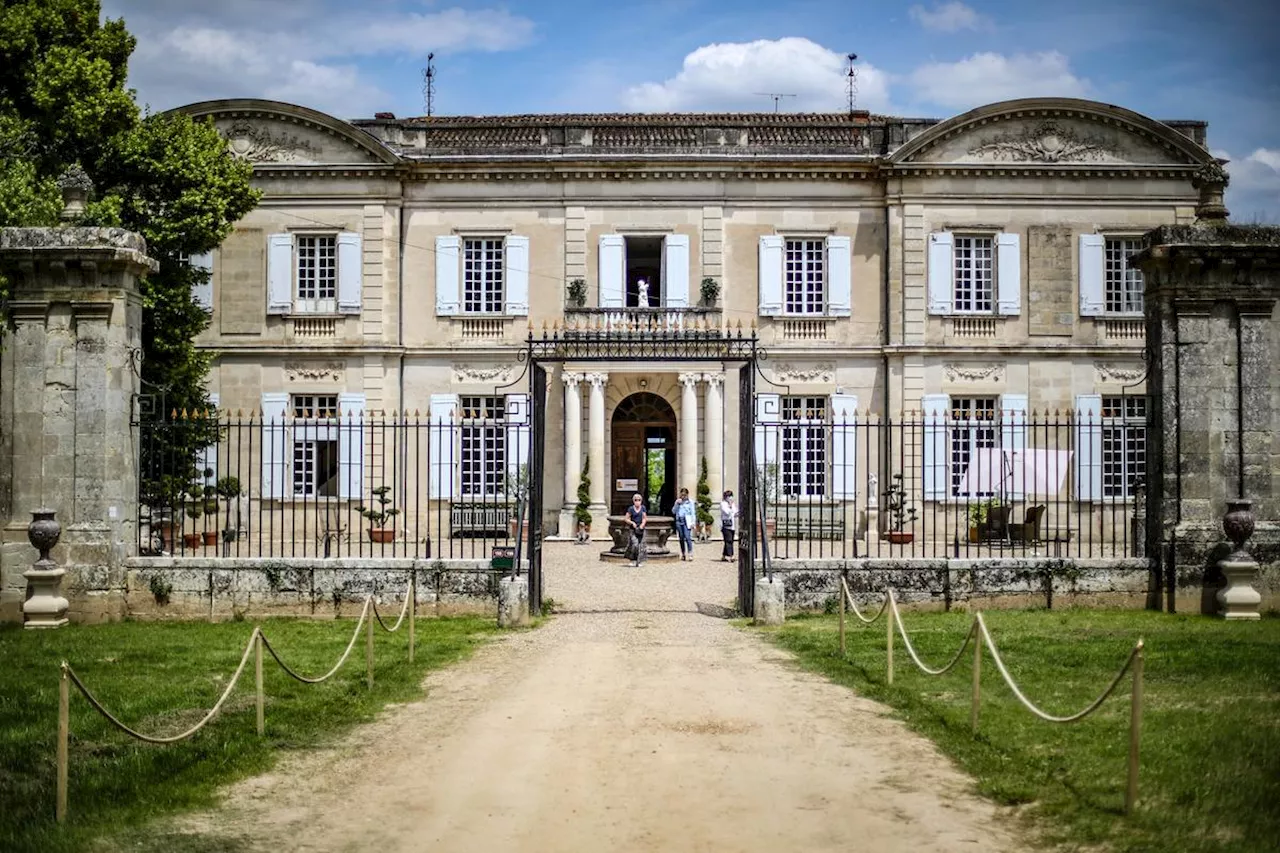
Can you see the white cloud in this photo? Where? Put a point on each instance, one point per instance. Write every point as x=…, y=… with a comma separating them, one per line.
x=729, y=76
x=948, y=18
x=988, y=77
x=305, y=53
x=1254, y=191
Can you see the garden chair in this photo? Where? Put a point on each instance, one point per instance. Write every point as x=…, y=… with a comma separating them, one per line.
x=1028, y=530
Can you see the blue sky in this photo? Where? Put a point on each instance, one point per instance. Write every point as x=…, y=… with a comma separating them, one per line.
x=1215, y=61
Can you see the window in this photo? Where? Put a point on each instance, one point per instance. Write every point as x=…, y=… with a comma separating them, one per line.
x=317, y=273
x=644, y=263
x=805, y=276
x=974, y=279
x=1123, y=283
x=804, y=447
x=315, y=445
x=484, y=447
x=973, y=427
x=1124, y=444
x=482, y=275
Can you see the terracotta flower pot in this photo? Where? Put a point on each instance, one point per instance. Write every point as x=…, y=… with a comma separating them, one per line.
x=900, y=537
x=192, y=540
x=210, y=537
x=382, y=534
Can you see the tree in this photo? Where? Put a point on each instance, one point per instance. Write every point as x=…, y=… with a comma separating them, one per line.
x=582, y=512
x=704, y=495
x=63, y=104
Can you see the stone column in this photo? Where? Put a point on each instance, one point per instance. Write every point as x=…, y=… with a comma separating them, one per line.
x=713, y=437
x=687, y=476
x=68, y=388
x=1214, y=337
x=572, y=438
x=595, y=445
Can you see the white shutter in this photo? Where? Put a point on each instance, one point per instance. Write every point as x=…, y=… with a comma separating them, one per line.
x=1092, y=265
x=1088, y=447
x=517, y=419
x=839, y=276
x=350, y=273
x=516, y=263
x=279, y=273
x=351, y=427
x=771, y=260
x=1008, y=274
x=675, y=268
x=441, y=426
x=612, y=267
x=275, y=455
x=941, y=272
x=207, y=457
x=844, y=446
x=202, y=291
x=936, y=411
x=448, y=270
x=1013, y=440
x=768, y=417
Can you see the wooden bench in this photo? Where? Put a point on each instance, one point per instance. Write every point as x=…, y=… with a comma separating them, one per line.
x=809, y=521
x=479, y=518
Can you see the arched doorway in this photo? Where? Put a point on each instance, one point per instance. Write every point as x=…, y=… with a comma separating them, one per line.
x=644, y=453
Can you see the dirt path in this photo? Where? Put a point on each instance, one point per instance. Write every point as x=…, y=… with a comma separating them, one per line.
x=651, y=729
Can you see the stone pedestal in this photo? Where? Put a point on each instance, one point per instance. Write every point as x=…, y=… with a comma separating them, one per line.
x=771, y=602
x=513, y=602
x=45, y=607
x=1238, y=599
x=66, y=399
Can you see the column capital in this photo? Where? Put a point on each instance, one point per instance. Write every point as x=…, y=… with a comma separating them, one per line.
x=571, y=380
x=597, y=380
x=715, y=380
x=690, y=380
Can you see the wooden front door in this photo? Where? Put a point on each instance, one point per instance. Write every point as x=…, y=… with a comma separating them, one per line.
x=628, y=466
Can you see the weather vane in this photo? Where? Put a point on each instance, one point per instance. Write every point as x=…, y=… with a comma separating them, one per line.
x=429, y=83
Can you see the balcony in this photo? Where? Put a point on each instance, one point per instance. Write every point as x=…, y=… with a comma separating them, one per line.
x=1128, y=330
x=655, y=320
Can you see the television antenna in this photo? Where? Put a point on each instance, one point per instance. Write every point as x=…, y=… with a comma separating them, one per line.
x=777, y=96
x=851, y=87
x=429, y=83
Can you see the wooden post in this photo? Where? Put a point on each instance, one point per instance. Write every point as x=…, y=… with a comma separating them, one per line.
x=844, y=590
x=64, y=734
x=368, y=642
x=257, y=674
x=1135, y=732
x=413, y=611
x=977, y=672
x=888, y=639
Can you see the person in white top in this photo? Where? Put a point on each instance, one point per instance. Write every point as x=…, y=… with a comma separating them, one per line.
x=728, y=524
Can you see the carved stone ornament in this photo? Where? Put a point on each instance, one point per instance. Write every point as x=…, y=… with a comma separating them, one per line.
x=973, y=372
x=815, y=373
x=1211, y=174
x=1119, y=373
x=1047, y=142
x=313, y=372
x=501, y=373
x=258, y=145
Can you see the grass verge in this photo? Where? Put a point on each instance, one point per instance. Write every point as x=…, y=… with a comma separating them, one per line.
x=1210, y=769
x=162, y=678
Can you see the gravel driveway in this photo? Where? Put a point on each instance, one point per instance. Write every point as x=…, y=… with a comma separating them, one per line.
x=629, y=722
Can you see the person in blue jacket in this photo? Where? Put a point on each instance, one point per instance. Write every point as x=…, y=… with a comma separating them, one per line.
x=686, y=519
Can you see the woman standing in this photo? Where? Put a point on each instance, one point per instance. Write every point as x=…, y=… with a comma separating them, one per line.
x=637, y=517
x=728, y=524
x=686, y=518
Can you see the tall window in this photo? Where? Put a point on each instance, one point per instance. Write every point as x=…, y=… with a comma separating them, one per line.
x=975, y=275
x=804, y=447
x=482, y=275
x=805, y=272
x=315, y=445
x=317, y=278
x=1124, y=444
x=484, y=447
x=1123, y=282
x=973, y=427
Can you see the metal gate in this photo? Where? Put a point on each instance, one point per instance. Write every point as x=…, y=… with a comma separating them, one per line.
x=661, y=341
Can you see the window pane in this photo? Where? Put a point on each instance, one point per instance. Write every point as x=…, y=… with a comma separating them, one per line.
x=803, y=468
x=317, y=267
x=1123, y=282
x=484, y=446
x=1124, y=444
x=974, y=427
x=974, y=274
x=805, y=276
x=482, y=275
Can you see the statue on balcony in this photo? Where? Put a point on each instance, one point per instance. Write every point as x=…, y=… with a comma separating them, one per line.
x=642, y=286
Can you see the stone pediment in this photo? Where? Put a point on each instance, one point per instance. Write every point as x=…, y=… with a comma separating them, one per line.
x=275, y=134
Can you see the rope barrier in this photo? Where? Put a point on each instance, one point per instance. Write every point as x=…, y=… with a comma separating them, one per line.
x=853, y=605
x=355, y=635
x=906, y=641
x=404, y=609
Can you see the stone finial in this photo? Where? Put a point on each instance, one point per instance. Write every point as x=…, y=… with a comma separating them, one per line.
x=44, y=607
x=1211, y=179
x=76, y=186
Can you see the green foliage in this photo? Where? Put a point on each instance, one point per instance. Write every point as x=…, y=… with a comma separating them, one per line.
x=577, y=293
x=162, y=676
x=901, y=508
x=379, y=515
x=704, y=495
x=710, y=291
x=1210, y=753
x=979, y=512
x=63, y=102
x=656, y=465
x=582, y=511
x=160, y=588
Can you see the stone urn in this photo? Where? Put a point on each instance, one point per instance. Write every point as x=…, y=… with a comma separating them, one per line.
x=657, y=530
x=44, y=607
x=1238, y=599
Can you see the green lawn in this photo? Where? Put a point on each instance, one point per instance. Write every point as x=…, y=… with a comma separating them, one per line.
x=161, y=678
x=1210, y=770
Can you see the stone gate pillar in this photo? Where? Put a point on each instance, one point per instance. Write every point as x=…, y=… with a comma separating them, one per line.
x=1213, y=340
x=67, y=385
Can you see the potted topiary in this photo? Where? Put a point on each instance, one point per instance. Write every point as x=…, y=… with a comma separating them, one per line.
x=379, y=516
x=980, y=519
x=901, y=510
x=577, y=293
x=228, y=488
x=193, y=539
x=767, y=480
x=710, y=292
x=705, y=519
x=582, y=511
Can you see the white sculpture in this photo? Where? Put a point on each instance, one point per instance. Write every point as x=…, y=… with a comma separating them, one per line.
x=873, y=491
x=643, y=287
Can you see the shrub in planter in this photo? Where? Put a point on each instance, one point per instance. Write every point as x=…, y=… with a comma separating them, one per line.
x=379, y=515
